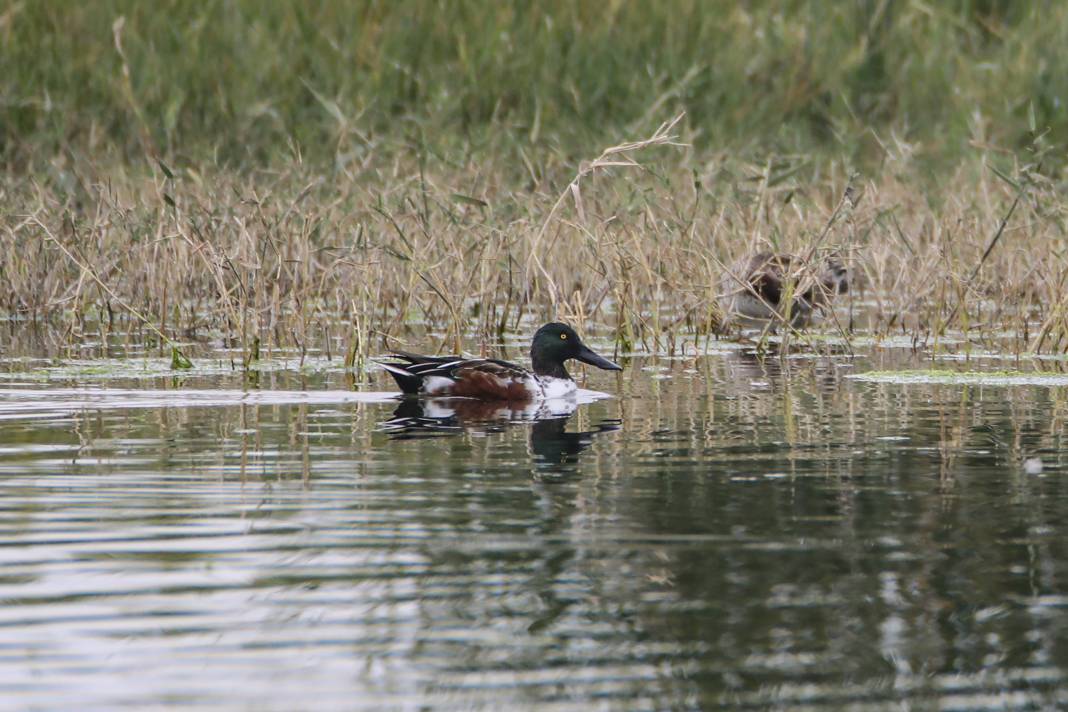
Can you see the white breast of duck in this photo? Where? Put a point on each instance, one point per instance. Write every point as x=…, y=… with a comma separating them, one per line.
x=552, y=387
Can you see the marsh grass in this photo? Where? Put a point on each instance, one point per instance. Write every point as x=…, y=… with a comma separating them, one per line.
x=635, y=244
x=337, y=178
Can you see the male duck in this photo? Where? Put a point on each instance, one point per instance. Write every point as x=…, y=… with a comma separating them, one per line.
x=763, y=280
x=494, y=380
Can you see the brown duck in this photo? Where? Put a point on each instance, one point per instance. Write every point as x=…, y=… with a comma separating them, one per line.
x=770, y=287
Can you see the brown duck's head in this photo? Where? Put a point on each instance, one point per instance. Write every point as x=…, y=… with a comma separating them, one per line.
x=831, y=279
x=835, y=277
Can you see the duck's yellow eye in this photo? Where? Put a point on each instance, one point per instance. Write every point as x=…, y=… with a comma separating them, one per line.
x=563, y=336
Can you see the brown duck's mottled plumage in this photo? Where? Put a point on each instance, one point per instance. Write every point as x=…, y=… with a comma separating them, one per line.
x=766, y=279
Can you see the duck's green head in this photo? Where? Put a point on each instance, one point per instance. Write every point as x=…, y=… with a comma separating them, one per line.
x=555, y=343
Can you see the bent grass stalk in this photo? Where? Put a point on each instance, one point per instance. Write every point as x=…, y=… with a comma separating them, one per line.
x=614, y=156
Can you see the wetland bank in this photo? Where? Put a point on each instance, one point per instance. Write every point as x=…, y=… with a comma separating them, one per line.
x=216, y=216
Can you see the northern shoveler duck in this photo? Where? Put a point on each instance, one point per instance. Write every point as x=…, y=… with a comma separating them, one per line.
x=761, y=284
x=494, y=380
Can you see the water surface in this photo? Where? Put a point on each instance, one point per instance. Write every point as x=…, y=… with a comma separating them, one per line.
x=727, y=532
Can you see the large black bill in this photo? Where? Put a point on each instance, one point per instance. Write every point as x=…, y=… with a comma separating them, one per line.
x=588, y=356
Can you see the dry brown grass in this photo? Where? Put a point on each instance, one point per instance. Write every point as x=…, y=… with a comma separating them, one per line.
x=635, y=243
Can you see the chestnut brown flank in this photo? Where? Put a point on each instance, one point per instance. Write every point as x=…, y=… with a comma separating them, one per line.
x=474, y=383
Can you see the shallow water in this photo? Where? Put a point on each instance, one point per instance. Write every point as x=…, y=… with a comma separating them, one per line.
x=726, y=532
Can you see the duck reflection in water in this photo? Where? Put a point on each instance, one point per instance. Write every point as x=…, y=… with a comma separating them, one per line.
x=554, y=449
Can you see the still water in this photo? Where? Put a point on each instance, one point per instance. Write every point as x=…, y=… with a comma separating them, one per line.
x=725, y=532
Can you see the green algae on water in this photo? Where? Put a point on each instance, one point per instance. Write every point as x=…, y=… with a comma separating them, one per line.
x=963, y=378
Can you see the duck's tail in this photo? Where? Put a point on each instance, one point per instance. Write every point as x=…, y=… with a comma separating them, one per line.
x=407, y=381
